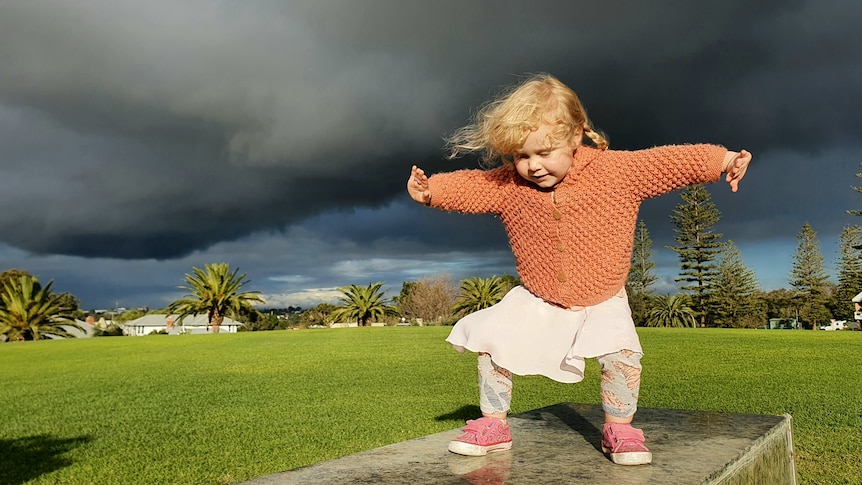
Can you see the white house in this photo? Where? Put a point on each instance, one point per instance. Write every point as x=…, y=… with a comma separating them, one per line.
x=835, y=325
x=355, y=324
x=857, y=312
x=857, y=303
x=148, y=324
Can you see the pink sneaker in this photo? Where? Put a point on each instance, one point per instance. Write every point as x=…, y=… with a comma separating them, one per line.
x=482, y=436
x=625, y=444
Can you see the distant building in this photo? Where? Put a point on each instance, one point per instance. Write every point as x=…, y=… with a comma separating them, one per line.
x=83, y=330
x=857, y=312
x=171, y=324
x=782, y=324
x=834, y=325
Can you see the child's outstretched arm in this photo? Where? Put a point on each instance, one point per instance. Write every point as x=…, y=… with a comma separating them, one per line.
x=735, y=165
x=417, y=186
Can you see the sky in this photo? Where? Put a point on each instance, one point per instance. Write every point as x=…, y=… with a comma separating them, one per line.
x=141, y=139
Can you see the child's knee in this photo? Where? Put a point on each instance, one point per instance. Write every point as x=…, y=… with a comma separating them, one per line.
x=624, y=364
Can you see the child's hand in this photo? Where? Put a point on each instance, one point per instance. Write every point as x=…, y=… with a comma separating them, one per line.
x=735, y=166
x=417, y=186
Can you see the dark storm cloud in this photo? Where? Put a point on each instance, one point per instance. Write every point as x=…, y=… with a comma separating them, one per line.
x=156, y=129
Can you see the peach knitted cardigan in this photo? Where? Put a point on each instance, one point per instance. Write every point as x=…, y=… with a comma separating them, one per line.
x=572, y=243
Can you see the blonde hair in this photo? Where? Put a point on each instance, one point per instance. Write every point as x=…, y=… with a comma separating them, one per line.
x=502, y=125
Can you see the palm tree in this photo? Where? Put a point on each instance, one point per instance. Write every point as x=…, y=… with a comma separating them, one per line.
x=215, y=291
x=31, y=312
x=361, y=304
x=479, y=293
x=671, y=311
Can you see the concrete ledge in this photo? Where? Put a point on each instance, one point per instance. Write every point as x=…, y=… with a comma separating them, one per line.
x=562, y=444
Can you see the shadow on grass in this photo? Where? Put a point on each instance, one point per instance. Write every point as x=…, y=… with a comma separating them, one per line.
x=27, y=458
x=470, y=411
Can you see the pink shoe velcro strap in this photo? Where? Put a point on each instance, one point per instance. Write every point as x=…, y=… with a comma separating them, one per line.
x=624, y=437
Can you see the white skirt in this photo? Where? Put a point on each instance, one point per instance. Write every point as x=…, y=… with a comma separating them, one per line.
x=529, y=336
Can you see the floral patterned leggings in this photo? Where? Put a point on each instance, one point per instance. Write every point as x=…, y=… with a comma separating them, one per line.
x=621, y=380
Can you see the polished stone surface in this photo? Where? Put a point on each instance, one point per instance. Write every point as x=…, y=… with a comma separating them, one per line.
x=562, y=444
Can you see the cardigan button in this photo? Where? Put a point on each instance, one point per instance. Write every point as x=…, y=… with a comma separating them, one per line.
x=560, y=247
x=557, y=215
x=561, y=277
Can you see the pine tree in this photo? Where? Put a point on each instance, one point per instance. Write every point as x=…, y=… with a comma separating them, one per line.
x=808, y=277
x=734, y=299
x=641, y=274
x=857, y=189
x=698, y=246
x=849, y=271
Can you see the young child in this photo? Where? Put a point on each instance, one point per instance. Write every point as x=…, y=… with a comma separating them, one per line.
x=570, y=211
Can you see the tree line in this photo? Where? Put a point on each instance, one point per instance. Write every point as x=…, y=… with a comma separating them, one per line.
x=434, y=300
x=715, y=289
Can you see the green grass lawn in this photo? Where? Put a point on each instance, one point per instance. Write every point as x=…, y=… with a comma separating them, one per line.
x=229, y=407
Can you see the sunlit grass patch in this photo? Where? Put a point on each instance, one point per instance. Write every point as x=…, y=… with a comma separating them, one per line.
x=229, y=407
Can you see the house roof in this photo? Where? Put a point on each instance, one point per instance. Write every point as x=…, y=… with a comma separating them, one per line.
x=85, y=330
x=857, y=298
x=188, y=321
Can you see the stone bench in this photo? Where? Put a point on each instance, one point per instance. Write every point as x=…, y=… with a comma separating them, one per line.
x=562, y=444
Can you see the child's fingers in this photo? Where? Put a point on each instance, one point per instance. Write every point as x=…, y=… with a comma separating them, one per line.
x=734, y=177
x=418, y=173
x=417, y=185
x=737, y=169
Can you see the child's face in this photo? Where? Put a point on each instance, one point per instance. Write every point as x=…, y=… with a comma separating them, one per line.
x=542, y=160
